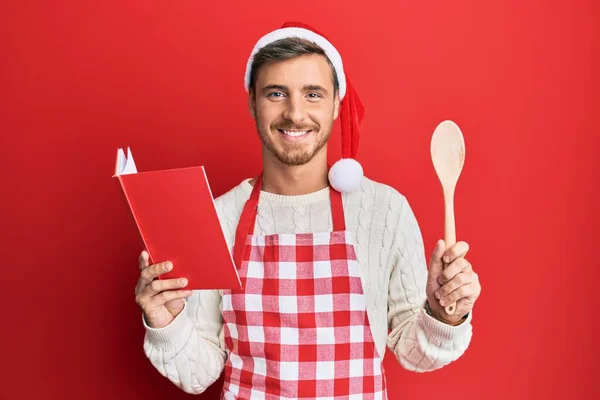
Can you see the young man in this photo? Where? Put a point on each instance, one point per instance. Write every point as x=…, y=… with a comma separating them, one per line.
x=326, y=271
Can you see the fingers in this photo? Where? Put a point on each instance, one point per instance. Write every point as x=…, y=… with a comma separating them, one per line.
x=456, y=267
x=460, y=249
x=464, y=285
x=466, y=293
x=161, y=285
x=166, y=296
x=436, y=265
x=456, y=282
x=150, y=273
x=152, y=295
x=160, y=291
x=144, y=260
x=150, y=303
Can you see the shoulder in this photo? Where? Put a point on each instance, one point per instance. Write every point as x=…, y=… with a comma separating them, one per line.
x=379, y=194
x=230, y=204
x=239, y=193
x=393, y=211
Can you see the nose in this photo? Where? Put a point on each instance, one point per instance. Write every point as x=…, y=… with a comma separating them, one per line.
x=294, y=110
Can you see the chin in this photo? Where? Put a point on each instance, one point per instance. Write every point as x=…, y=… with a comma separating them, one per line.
x=293, y=160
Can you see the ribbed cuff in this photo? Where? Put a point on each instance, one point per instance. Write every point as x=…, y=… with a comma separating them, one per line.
x=169, y=336
x=441, y=332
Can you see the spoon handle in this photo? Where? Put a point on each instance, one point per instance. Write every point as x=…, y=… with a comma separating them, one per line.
x=449, y=233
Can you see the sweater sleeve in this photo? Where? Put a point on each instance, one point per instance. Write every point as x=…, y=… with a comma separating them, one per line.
x=190, y=351
x=420, y=342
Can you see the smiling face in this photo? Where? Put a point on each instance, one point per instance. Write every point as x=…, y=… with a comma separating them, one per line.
x=294, y=104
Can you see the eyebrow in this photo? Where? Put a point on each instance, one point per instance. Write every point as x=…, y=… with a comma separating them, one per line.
x=306, y=88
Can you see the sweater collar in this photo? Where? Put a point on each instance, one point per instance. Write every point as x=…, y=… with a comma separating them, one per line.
x=314, y=197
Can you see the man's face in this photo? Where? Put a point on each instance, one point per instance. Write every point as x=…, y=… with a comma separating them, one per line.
x=294, y=107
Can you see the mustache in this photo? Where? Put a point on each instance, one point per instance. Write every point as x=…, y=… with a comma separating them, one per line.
x=290, y=126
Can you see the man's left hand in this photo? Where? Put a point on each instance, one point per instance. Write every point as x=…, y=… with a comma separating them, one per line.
x=451, y=279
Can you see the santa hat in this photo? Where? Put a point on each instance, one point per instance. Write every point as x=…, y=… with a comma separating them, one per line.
x=346, y=174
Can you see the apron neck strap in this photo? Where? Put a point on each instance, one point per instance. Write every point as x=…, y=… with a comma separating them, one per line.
x=248, y=218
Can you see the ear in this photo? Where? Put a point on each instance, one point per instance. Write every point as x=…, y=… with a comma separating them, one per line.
x=252, y=104
x=336, y=106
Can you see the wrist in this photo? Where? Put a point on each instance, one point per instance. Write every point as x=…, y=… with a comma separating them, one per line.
x=438, y=317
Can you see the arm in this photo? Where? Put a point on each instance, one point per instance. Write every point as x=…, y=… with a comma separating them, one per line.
x=420, y=342
x=190, y=350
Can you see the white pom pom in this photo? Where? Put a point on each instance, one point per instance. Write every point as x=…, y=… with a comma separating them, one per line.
x=345, y=175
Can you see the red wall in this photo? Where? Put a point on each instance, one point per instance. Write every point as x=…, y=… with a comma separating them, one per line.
x=79, y=79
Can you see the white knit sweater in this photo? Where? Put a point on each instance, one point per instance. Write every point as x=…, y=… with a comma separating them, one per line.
x=190, y=351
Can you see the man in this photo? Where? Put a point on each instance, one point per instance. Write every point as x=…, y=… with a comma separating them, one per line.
x=327, y=270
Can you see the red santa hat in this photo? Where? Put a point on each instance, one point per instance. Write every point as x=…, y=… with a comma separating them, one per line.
x=346, y=174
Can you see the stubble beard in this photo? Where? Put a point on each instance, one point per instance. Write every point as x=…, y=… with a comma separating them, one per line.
x=293, y=154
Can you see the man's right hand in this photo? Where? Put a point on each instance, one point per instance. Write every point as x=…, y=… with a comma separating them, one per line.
x=161, y=300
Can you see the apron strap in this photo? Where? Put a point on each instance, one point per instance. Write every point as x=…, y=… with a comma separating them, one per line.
x=248, y=218
x=246, y=223
x=337, y=210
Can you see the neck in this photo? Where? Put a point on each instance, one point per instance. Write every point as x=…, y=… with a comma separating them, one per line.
x=287, y=180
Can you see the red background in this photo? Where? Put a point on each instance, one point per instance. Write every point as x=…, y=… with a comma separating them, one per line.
x=79, y=79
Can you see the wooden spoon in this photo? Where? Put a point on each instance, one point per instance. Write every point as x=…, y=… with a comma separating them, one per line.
x=448, y=156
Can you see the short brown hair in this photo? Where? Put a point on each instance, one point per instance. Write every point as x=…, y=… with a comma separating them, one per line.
x=286, y=49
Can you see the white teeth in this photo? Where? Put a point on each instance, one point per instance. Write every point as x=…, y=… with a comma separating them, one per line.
x=294, y=133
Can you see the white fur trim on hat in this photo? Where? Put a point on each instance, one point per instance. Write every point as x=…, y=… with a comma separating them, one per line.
x=330, y=51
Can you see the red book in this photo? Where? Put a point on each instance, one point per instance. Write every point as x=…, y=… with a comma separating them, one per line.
x=176, y=216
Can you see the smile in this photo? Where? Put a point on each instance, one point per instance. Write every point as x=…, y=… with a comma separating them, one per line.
x=294, y=134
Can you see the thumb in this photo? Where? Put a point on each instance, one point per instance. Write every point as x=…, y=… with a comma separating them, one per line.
x=436, y=264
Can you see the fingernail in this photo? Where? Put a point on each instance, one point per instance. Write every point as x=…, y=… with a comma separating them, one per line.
x=443, y=302
x=183, y=281
x=168, y=266
x=438, y=295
